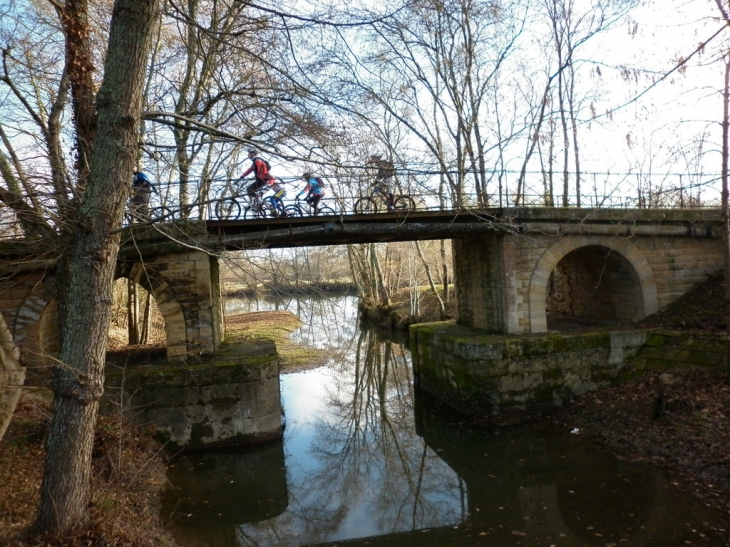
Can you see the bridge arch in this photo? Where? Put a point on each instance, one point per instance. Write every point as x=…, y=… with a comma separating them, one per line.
x=167, y=302
x=35, y=327
x=616, y=265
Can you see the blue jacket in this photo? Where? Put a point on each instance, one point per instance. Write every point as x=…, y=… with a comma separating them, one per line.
x=140, y=180
x=314, y=187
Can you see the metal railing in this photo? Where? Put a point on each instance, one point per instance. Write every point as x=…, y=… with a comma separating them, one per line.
x=167, y=209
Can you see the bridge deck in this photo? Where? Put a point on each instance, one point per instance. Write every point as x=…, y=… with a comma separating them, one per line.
x=338, y=229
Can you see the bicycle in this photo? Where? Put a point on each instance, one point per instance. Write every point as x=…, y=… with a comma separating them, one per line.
x=148, y=215
x=305, y=208
x=227, y=206
x=378, y=199
x=269, y=206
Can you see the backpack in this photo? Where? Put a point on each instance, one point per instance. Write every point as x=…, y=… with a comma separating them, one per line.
x=266, y=163
x=319, y=181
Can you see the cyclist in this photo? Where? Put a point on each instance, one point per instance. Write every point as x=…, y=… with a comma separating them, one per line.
x=383, y=178
x=139, y=203
x=260, y=169
x=276, y=186
x=314, y=190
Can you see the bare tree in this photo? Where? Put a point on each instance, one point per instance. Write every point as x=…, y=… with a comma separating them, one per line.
x=571, y=27
x=725, y=159
x=78, y=213
x=430, y=70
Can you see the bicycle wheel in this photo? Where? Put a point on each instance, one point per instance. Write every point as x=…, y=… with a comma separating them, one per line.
x=326, y=211
x=252, y=212
x=179, y=213
x=227, y=209
x=276, y=208
x=404, y=203
x=161, y=213
x=366, y=205
x=292, y=211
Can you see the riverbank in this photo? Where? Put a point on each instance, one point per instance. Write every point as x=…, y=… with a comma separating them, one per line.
x=679, y=421
x=402, y=312
x=128, y=472
x=129, y=465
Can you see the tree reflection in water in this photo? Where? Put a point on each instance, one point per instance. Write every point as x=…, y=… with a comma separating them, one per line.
x=364, y=471
x=356, y=467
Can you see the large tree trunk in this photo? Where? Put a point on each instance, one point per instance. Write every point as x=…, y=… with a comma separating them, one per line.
x=87, y=272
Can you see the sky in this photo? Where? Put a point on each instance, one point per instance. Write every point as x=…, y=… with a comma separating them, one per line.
x=660, y=130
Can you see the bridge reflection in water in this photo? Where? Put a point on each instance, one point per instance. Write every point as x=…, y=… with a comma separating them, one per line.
x=367, y=460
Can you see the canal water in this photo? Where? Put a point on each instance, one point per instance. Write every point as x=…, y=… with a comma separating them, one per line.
x=367, y=460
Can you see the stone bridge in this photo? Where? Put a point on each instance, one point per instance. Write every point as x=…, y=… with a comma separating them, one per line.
x=613, y=265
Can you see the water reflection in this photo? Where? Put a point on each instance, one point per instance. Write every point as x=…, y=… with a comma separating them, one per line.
x=364, y=455
x=538, y=486
x=355, y=466
x=327, y=323
x=213, y=492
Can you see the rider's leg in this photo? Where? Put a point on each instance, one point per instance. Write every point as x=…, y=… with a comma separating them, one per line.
x=314, y=204
x=251, y=190
x=255, y=185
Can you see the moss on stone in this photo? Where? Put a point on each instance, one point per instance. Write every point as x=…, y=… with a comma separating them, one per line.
x=469, y=365
x=655, y=340
x=544, y=394
x=553, y=375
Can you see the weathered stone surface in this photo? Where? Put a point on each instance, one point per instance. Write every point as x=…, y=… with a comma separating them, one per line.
x=672, y=351
x=487, y=374
x=205, y=405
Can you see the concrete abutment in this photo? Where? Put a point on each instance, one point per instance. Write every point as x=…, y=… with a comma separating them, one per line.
x=496, y=375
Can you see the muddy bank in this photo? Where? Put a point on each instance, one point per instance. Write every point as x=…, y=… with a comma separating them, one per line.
x=676, y=421
x=679, y=421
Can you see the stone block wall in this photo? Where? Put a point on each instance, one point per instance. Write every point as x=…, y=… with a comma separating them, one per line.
x=502, y=279
x=28, y=306
x=186, y=288
x=478, y=280
x=680, y=263
x=492, y=375
x=671, y=351
x=205, y=405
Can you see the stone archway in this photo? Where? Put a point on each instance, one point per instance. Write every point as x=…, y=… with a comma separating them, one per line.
x=169, y=306
x=12, y=377
x=36, y=326
x=624, y=266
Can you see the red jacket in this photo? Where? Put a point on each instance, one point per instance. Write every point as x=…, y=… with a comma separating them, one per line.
x=258, y=167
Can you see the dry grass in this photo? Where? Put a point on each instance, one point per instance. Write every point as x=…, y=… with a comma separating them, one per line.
x=275, y=326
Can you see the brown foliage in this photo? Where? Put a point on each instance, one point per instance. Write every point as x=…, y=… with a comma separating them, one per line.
x=128, y=473
x=678, y=421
